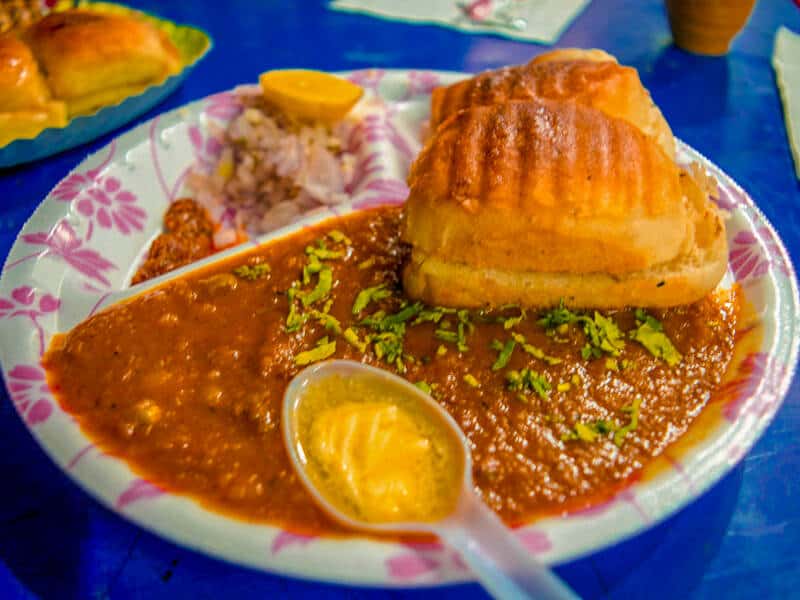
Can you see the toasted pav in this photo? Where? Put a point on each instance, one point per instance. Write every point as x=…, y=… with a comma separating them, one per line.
x=26, y=106
x=589, y=77
x=93, y=59
x=537, y=201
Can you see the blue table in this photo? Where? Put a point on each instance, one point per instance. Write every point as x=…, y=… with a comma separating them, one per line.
x=741, y=540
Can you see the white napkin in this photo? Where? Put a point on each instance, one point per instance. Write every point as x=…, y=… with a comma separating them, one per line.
x=786, y=61
x=528, y=20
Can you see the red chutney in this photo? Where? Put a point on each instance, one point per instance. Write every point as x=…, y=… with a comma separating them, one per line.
x=185, y=381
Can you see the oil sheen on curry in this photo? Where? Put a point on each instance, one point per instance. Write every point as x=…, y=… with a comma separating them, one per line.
x=561, y=408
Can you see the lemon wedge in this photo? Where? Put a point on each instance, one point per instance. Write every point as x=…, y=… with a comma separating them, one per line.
x=310, y=95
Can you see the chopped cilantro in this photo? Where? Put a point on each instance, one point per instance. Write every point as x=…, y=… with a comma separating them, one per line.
x=389, y=348
x=425, y=387
x=471, y=381
x=505, y=354
x=650, y=334
x=252, y=272
x=402, y=316
x=323, y=350
x=441, y=350
x=465, y=327
x=528, y=381
x=557, y=316
x=370, y=294
x=351, y=337
x=534, y=351
x=322, y=252
x=511, y=322
x=590, y=432
x=446, y=336
x=312, y=267
x=321, y=290
x=432, y=315
x=338, y=237
x=366, y=264
x=294, y=319
x=602, y=333
x=586, y=432
x=612, y=364
x=328, y=321
x=633, y=411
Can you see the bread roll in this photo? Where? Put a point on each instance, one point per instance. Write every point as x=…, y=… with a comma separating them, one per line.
x=589, y=77
x=26, y=107
x=537, y=201
x=94, y=59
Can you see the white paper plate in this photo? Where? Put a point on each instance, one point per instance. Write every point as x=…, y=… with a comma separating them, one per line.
x=77, y=253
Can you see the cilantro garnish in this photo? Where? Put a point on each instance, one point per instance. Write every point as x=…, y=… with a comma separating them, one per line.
x=511, y=322
x=471, y=381
x=650, y=334
x=252, y=272
x=323, y=350
x=425, y=387
x=351, y=337
x=556, y=317
x=295, y=318
x=591, y=431
x=534, y=351
x=505, y=353
x=321, y=290
x=633, y=411
x=528, y=381
x=338, y=237
x=322, y=252
x=446, y=336
x=366, y=264
x=328, y=321
x=602, y=333
x=370, y=294
x=432, y=315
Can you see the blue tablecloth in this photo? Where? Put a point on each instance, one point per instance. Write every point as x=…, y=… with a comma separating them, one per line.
x=741, y=540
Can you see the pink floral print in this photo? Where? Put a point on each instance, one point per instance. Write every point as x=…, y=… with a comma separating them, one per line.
x=63, y=243
x=745, y=395
x=285, y=539
x=27, y=302
x=139, y=489
x=423, y=559
x=749, y=260
x=111, y=207
x=28, y=389
x=102, y=200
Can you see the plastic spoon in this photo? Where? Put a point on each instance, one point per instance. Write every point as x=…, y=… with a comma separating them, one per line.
x=501, y=563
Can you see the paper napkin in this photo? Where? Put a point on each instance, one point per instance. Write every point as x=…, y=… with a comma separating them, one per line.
x=528, y=20
x=786, y=61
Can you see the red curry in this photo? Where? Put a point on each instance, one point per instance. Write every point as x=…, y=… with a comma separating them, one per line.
x=185, y=381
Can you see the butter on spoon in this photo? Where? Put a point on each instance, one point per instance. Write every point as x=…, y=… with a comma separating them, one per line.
x=380, y=455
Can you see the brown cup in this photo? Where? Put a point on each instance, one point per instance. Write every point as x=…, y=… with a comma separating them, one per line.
x=707, y=26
